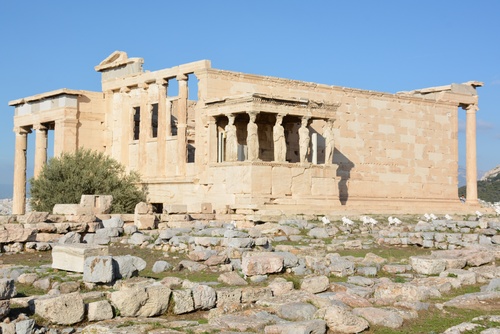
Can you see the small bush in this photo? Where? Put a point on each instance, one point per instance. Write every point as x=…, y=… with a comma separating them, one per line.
x=65, y=179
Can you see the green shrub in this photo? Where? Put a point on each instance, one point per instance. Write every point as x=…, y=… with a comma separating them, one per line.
x=65, y=179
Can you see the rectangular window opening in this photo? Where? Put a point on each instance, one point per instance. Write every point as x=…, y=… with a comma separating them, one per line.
x=137, y=122
x=191, y=150
x=154, y=120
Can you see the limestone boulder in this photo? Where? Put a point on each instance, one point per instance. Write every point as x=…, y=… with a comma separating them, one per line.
x=113, y=222
x=255, y=293
x=138, y=301
x=341, y=267
x=280, y=286
x=340, y=319
x=161, y=266
x=71, y=257
x=232, y=278
x=315, y=284
x=4, y=308
x=427, y=265
x=204, y=297
x=16, y=233
x=316, y=326
x=379, y=316
x=126, y=266
x=261, y=263
x=65, y=309
x=70, y=238
x=298, y=311
x=183, y=301
x=99, y=310
x=387, y=293
x=7, y=288
x=145, y=222
x=98, y=269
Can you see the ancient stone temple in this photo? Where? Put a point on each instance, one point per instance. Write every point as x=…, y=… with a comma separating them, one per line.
x=257, y=144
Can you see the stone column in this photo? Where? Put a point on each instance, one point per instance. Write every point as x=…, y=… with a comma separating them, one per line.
x=304, y=139
x=40, y=149
x=212, y=141
x=19, y=198
x=182, y=123
x=162, y=125
x=279, y=140
x=144, y=129
x=314, y=140
x=252, y=138
x=470, y=153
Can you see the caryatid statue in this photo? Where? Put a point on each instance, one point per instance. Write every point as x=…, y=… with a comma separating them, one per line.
x=252, y=138
x=231, y=140
x=279, y=140
x=329, y=141
x=304, y=139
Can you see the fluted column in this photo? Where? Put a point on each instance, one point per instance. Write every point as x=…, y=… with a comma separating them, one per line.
x=182, y=124
x=470, y=153
x=162, y=125
x=19, y=198
x=40, y=149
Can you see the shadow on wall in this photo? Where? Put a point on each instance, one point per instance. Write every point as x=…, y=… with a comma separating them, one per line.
x=344, y=172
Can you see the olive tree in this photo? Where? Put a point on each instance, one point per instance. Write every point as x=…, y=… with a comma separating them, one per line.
x=64, y=179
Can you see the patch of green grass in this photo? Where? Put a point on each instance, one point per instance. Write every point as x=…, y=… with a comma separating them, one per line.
x=26, y=290
x=458, y=292
x=296, y=280
x=392, y=254
x=432, y=321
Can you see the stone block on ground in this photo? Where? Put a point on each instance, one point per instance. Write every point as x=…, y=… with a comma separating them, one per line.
x=147, y=301
x=98, y=269
x=204, y=297
x=316, y=326
x=16, y=233
x=340, y=319
x=315, y=284
x=62, y=310
x=7, y=288
x=427, y=266
x=99, y=310
x=379, y=316
x=71, y=257
x=261, y=263
x=183, y=301
x=126, y=266
x=145, y=222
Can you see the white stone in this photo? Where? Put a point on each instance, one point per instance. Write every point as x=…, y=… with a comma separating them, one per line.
x=261, y=263
x=98, y=269
x=99, y=310
x=71, y=257
x=65, y=309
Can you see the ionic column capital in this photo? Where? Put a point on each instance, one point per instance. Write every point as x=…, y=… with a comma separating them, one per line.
x=144, y=86
x=124, y=89
x=162, y=82
x=40, y=127
x=182, y=77
x=21, y=130
x=471, y=108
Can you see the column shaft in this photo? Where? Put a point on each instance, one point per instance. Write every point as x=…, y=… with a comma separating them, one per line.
x=40, y=149
x=162, y=126
x=19, y=198
x=470, y=153
x=182, y=124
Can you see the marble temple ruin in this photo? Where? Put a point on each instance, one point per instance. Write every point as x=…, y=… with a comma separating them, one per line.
x=251, y=143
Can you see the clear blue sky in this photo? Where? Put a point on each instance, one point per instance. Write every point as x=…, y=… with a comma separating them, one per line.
x=382, y=45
